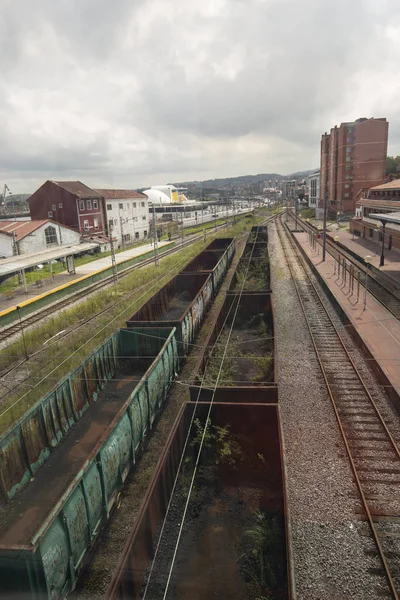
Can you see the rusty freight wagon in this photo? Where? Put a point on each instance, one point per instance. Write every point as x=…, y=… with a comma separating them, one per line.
x=181, y=303
x=253, y=270
x=213, y=262
x=217, y=551
x=58, y=517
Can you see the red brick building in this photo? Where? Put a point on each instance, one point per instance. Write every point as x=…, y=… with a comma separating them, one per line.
x=71, y=203
x=380, y=199
x=353, y=156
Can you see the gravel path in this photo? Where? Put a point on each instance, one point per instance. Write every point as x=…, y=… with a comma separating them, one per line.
x=332, y=548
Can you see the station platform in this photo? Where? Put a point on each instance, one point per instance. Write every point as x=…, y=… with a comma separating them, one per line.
x=363, y=246
x=61, y=279
x=378, y=329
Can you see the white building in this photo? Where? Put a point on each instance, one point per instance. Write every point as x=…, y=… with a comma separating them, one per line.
x=28, y=237
x=127, y=214
x=165, y=194
x=313, y=182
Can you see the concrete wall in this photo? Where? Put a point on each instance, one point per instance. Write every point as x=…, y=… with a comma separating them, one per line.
x=6, y=245
x=36, y=242
x=130, y=217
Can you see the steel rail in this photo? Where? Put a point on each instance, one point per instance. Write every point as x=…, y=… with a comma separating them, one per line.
x=331, y=393
x=332, y=248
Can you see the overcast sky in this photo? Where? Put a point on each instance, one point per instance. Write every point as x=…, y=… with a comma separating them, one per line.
x=144, y=92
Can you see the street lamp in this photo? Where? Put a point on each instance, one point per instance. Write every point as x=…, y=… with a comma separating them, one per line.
x=367, y=260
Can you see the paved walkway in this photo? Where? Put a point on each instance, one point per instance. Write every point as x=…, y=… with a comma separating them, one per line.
x=378, y=328
x=64, y=277
x=363, y=246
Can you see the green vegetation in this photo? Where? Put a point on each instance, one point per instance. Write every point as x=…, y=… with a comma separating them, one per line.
x=263, y=562
x=307, y=213
x=53, y=362
x=261, y=362
x=393, y=165
x=254, y=276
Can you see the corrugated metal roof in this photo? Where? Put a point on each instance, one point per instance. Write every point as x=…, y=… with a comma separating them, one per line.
x=120, y=194
x=390, y=185
x=78, y=189
x=24, y=261
x=21, y=228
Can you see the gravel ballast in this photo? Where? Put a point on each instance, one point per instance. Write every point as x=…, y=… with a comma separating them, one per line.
x=333, y=551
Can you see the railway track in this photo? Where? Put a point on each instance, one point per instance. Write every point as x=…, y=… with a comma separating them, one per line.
x=387, y=297
x=373, y=453
x=8, y=332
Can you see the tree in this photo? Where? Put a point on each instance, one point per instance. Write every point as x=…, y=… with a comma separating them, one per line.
x=392, y=164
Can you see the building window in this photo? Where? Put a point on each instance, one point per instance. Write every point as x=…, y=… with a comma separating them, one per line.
x=121, y=205
x=81, y=205
x=135, y=218
x=50, y=235
x=89, y=204
x=346, y=195
x=95, y=204
x=111, y=224
x=133, y=204
x=115, y=221
x=347, y=185
x=109, y=206
x=50, y=214
x=86, y=225
x=54, y=207
x=60, y=205
x=127, y=237
x=144, y=218
x=96, y=223
x=143, y=205
x=348, y=150
x=145, y=233
x=348, y=159
x=371, y=232
x=137, y=235
x=348, y=140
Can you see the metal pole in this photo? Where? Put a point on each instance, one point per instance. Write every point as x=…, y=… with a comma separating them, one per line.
x=22, y=332
x=24, y=281
x=324, y=228
x=295, y=212
x=51, y=271
x=122, y=232
x=113, y=261
x=382, y=261
x=155, y=237
x=366, y=288
x=182, y=227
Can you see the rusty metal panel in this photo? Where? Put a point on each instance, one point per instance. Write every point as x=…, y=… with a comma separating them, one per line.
x=15, y=469
x=76, y=522
x=155, y=387
x=65, y=407
x=79, y=392
x=35, y=439
x=94, y=497
x=244, y=395
x=55, y=553
x=52, y=420
x=92, y=384
x=123, y=432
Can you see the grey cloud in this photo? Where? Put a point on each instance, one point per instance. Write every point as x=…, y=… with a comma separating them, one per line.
x=120, y=91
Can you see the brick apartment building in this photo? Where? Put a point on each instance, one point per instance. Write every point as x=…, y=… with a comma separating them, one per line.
x=71, y=203
x=353, y=157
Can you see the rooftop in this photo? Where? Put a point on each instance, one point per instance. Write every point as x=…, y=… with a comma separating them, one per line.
x=78, y=189
x=390, y=185
x=13, y=264
x=369, y=202
x=120, y=194
x=393, y=217
x=22, y=228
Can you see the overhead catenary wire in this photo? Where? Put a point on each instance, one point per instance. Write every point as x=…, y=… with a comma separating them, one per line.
x=48, y=376
x=202, y=386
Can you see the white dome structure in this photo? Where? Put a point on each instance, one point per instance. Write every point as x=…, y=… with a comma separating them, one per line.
x=157, y=197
